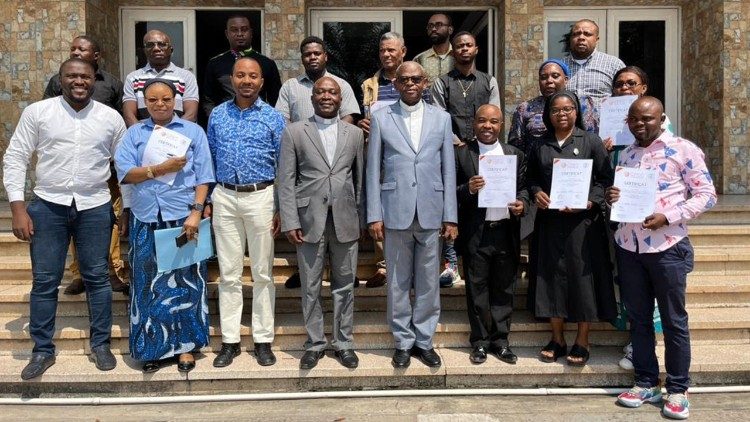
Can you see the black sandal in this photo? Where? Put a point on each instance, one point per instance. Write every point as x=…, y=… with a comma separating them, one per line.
x=558, y=350
x=578, y=351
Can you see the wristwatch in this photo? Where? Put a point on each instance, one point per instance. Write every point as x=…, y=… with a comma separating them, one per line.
x=197, y=207
x=149, y=172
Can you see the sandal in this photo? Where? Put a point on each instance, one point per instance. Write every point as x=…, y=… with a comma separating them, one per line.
x=578, y=351
x=558, y=350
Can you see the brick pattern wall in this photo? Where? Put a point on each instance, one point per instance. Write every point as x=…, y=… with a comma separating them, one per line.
x=103, y=20
x=734, y=60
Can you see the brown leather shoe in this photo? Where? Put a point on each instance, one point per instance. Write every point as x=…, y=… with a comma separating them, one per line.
x=75, y=287
x=377, y=280
x=118, y=285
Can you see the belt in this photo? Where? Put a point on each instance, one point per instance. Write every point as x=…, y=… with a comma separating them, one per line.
x=493, y=224
x=252, y=187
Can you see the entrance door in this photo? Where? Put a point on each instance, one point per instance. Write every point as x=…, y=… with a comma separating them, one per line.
x=647, y=38
x=179, y=24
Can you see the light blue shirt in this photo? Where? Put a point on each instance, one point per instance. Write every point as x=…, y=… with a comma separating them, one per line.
x=151, y=197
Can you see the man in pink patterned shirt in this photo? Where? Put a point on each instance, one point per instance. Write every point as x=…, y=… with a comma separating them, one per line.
x=654, y=257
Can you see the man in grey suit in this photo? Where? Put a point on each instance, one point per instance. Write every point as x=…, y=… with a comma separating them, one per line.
x=319, y=185
x=411, y=201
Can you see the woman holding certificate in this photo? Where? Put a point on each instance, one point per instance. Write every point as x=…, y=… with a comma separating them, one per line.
x=567, y=174
x=167, y=162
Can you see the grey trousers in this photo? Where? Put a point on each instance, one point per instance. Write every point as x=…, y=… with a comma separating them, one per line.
x=412, y=259
x=343, y=266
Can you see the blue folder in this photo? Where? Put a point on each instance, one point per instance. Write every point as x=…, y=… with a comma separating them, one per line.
x=170, y=257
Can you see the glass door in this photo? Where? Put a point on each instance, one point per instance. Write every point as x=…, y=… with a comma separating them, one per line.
x=558, y=23
x=179, y=24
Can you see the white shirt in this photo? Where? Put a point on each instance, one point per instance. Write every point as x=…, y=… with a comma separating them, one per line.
x=74, y=150
x=328, y=130
x=493, y=214
x=413, y=120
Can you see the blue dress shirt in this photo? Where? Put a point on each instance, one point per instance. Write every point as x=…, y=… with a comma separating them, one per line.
x=151, y=197
x=245, y=144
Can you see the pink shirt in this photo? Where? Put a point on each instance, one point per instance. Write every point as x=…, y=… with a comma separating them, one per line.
x=685, y=190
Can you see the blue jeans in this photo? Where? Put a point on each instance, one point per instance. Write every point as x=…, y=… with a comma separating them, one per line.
x=449, y=253
x=91, y=230
x=663, y=276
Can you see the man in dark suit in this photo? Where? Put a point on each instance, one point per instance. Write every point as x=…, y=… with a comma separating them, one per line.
x=489, y=239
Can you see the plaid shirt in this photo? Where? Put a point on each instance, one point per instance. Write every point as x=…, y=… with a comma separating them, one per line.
x=594, y=77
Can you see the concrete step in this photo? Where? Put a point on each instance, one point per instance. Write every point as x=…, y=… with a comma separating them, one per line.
x=729, y=209
x=76, y=375
x=725, y=235
x=702, y=291
x=371, y=331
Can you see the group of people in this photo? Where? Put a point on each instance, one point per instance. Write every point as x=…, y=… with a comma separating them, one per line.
x=288, y=158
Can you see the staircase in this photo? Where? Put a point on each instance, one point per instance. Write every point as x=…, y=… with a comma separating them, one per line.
x=718, y=299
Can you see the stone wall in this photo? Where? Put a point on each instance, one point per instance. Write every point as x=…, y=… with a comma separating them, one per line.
x=103, y=20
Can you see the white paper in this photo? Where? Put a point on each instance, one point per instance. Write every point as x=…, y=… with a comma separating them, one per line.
x=499, y=173
x=637, y=194
x=571, y=181
x=164, y=144
x=613, y=113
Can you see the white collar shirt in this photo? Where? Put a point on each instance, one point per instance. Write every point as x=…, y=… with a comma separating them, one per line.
x=74, y=150
x=493, y=214
x=413, y=120
x=328, y=130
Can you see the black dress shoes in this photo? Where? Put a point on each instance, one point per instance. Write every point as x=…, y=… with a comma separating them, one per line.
x=310, y=359
x=75, y=287
x=428, y=356
x=185, y=362
x=293, y=282
x=226, y=356
x=506, y=355
x=348, y=358
x=151, y=366
x=401, y=359
x=39, y=363
x=478, y=355
x=264, y=355
x=103, y=358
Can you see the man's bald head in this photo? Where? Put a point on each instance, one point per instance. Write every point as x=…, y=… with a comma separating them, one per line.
x=645, y=117
x=326, y=97
x=156, y=33
x=327, y=80
x=158, y=48
x=488, y=122
x=411, y=80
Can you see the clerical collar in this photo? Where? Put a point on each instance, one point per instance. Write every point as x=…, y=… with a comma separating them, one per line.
x=324, y=121
x=484, y=148
x=410, y=108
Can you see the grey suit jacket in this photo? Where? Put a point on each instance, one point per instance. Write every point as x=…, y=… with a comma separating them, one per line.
x=308, y=185
x=421, y=182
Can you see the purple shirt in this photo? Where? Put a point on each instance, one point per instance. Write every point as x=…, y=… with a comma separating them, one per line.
x=685, y=190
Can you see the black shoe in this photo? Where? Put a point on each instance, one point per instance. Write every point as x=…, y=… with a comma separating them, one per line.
x=478, y=355
x=293, y=282
x=348, y=358
x=505, y=354
x=226, y=356
x=118, y=285
x=75, y=287
x=429, y=357
x=264, y=355
x=151, y=366
x=310, y=359
x=401, y=359
x=185, y=366
x=39, y=363
x=103, y=358
x=356, y=282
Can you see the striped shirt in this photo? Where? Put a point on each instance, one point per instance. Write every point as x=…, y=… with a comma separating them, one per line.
x=184, y=81
x=295, y=104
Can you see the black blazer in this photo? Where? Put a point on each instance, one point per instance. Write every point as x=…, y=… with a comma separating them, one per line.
x=470, y=217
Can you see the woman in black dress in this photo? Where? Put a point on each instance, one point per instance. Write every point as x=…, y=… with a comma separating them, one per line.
x=570, y=262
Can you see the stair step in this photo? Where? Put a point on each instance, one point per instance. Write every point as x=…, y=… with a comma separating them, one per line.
x=76, y=375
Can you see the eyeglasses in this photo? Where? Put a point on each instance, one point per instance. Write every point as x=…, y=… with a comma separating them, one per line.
x=404, y=80
x=436, y=25
x=630, y=84
x=151, y=44
x=564, y=110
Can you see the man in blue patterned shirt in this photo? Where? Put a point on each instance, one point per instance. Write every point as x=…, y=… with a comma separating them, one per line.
x=244, y=135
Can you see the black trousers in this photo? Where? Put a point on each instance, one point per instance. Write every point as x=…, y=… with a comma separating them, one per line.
x=490, y=268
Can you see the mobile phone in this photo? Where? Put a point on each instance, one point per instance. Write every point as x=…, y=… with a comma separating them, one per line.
x=181, y=240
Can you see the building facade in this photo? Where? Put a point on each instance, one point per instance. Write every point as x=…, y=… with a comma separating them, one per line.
x=704, y=71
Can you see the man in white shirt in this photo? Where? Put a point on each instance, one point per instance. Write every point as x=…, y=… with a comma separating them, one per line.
x=74, y=138
x=489, y=239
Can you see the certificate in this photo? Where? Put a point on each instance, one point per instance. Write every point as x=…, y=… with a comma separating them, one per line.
x=612, y=119
x=499, y=173
x=637, y=194
x=571, y=181
x=171, y=257
x=164, y=144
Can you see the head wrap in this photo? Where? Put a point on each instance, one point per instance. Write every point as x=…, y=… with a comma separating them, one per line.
x=166, y=82
x=562, y=65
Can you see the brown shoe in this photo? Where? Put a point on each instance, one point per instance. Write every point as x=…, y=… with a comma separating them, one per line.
x=117, y=284
x=377, y=280
x=75, y=287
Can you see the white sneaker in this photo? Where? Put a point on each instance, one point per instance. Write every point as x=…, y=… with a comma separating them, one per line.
x=626, y=362
x=449, y=276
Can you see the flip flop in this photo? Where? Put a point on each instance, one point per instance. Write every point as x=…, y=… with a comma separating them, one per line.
x=557, y=350
x=578, y=351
